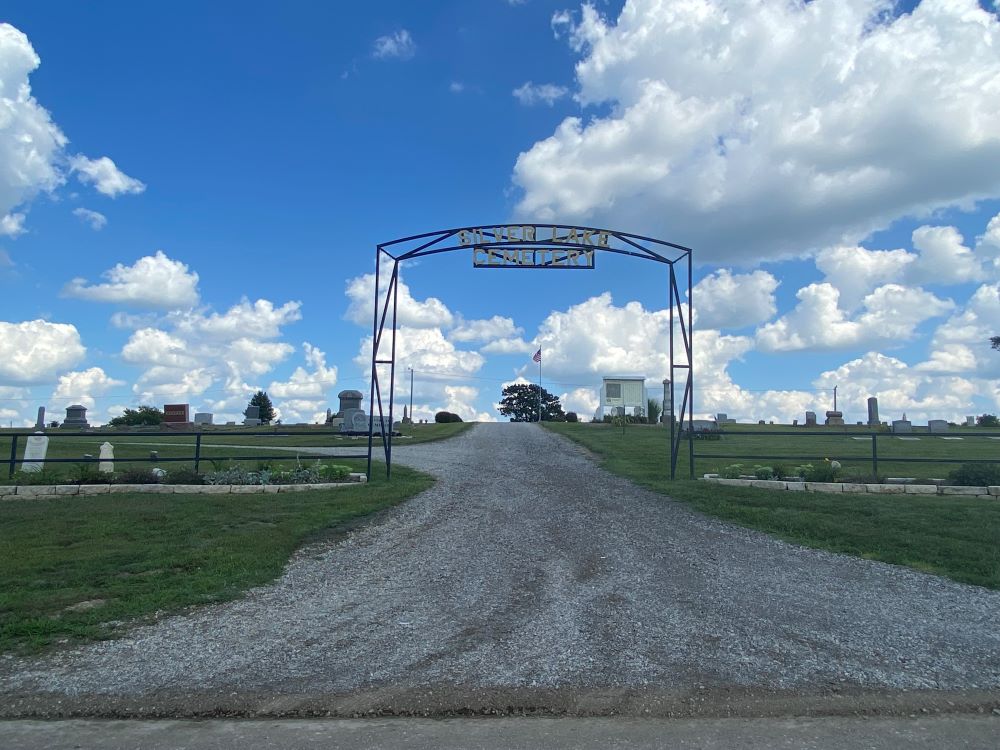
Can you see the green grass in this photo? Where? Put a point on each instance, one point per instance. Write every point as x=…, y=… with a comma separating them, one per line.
x=74, y=445
x=141, y=554
x=835, y=443
x=952, y=537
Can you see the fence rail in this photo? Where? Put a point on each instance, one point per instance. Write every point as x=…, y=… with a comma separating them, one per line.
x=872, y=457
x=196, y=457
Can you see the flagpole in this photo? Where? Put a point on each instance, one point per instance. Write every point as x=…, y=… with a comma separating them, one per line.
x=539, y=385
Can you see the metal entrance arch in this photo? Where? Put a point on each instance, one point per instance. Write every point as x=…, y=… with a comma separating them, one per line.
x=541, y=246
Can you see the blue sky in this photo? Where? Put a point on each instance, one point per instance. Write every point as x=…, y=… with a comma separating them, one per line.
x=836, y=168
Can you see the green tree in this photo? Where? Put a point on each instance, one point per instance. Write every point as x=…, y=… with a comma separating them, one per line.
x=520, y=403
x=995, y=342
x=988, y=420
x=144, y=415
x=653, y=410
x=261, y=399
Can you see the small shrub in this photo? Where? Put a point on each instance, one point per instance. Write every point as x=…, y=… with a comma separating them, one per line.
x=334, y=472
x=822, y=473
x=976, y=475
x=45, y=476
x=235, y=475
x=88, y=474
x=780, y=471
x=733, y=471
x=443, y=417
x=763, y=472
x=134, y=476
x=572, y=417
x=183, y=476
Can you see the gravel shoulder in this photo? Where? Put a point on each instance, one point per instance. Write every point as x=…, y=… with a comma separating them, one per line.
x=528, y=580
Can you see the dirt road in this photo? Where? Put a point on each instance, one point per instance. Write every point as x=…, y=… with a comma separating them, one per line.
x=528, y=580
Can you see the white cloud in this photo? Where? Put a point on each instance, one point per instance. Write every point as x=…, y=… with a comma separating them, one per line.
x=456, y=87
x=169, y=383
x=539, y=93
x=96, y=220
x=891, y=314
x=856, y=271
x=260, y=320
x=430, y=313
x=12, y=225
x=105, y=176
x=81, y=387
x=725, y=300
x=30, y=143
x=961, y=343
x=943, y=258
x=752, y=130
x=306, y=384
x=497, y=327
x=36, y=350
x=509, y=346
x=151, y=346
x=399, y=45
x=152, y=281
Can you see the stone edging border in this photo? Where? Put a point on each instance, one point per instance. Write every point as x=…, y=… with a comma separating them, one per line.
x=48, y=491
x=992, y=492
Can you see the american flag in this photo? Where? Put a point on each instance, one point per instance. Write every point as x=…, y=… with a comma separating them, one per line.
x=538, y=356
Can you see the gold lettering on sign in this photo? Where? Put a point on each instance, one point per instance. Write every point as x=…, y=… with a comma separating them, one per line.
x=587, y=235
x=602, y=239
x=529, y=233
x=477, y=256
x=464, y=238
x=512, y=234
x=571, y=237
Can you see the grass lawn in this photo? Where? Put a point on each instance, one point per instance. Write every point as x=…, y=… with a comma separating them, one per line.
x=133, y=555
x=214, y=454
x=957, y=538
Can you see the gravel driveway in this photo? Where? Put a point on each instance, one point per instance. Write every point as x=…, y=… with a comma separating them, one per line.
x=528, y=579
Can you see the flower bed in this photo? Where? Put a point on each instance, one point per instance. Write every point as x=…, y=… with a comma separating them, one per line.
x=990, y=492
x=20, y=492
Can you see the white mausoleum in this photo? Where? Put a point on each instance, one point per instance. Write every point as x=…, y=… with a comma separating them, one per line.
x=623, y=394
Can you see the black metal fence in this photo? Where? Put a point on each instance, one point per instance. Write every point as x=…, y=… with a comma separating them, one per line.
x=196, y=457
x=872, y=456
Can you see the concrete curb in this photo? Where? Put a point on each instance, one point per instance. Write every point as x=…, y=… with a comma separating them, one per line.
x=53, y=491
x=985, y=493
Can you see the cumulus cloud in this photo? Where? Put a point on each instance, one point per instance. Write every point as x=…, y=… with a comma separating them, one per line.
x=539, y=93
x=105, y=176
x=96, y=220
x=258, y=320
x=36, y=350
x=12, y=225
x=30, y=143
x=727, y=300
x=152, y=281
x=891, y=315
x=399, y=46
x=961, y=343
x=304, y=396
x=429, y=313
x=82, y=386
x=754, y=130
x=497, y=327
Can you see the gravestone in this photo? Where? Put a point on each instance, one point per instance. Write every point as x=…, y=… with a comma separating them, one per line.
x=902, y=426
x=970, y=421
x=937, y=425
x=252, y=415
x=107, y=465
x=35, y=449
x=873, y=420
x=349, y=400
x=251, y=422
x=329, y=416
x=761, y=421
x=176, y=413
x=203, y=417
x=40, y=422
x=835, y=418
x=810, y=419
x=359, y=421
x=795, y=423
x=76, y=416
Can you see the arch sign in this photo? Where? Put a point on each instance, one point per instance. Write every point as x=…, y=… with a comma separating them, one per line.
x=537, y=247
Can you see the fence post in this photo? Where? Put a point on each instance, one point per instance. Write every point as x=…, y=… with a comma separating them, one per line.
x=875, y=456
x=197, y=452
x=13, y=456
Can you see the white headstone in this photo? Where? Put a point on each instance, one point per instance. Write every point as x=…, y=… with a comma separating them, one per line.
x=107, y=466
x=34, y=453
